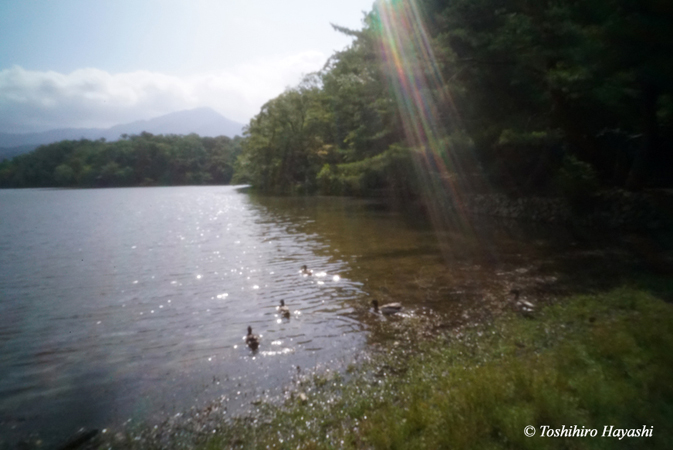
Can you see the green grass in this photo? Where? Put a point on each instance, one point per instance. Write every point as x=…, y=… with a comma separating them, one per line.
x=588, y=361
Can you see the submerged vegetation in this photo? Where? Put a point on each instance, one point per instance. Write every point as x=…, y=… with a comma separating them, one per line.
x=590, y=361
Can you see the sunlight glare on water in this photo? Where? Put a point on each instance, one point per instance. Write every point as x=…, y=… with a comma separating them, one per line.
x=131, y=302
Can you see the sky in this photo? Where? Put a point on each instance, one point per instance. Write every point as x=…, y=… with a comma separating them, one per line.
x=98, y=63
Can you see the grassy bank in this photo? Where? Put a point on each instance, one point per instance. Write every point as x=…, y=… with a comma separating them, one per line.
x=588, y=361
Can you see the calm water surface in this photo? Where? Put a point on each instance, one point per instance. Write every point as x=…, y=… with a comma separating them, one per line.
x=120, y=304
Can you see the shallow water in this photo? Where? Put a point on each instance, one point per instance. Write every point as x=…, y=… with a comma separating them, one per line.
x=120, y=304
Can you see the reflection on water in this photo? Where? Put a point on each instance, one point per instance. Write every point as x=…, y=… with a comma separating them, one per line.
x=400, y=258
x=127, y=303
x=458, y=276
x=134, y=303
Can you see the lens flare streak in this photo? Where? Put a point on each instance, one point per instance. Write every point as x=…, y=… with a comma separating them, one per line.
x=415, y=78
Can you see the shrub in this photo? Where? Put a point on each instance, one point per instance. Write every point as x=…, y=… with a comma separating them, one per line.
x=577, y=181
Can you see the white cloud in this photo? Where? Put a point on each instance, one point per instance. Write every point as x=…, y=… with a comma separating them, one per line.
x=31, y=100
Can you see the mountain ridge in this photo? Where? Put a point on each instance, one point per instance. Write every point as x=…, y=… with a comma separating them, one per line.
x=202, y=121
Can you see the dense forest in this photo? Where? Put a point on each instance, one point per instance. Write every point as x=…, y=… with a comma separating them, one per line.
x=142, y=160
x=522, y=95
x=525, y=96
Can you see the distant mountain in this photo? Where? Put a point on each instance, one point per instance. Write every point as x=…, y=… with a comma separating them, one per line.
x=11, y=152
x=202, y=121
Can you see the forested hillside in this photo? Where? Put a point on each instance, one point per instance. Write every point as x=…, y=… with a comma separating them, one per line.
x=524, y=95
x=139, y=160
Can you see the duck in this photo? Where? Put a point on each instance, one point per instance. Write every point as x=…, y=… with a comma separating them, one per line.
x=305, y=270
x=388, y=309
x=284, y=310
x=252, y=340
x=525, y=307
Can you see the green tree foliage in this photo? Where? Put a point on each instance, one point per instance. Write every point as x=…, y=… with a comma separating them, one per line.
x=594, y=77
x=140, y=160
x=283, y=141
x=328, y=134
x=523, y=85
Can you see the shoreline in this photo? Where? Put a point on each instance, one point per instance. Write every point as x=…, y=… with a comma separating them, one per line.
x=406, y=391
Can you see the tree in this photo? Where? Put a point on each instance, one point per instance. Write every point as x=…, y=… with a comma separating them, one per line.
x=138, y=160
x=64, y=175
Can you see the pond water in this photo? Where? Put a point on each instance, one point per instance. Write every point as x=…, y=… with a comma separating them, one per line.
x=120, y=304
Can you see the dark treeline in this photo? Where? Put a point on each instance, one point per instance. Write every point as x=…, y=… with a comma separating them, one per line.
x=141, y=160
x=525, y=95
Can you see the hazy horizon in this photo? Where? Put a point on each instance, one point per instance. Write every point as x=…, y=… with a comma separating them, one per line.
x=149, y=119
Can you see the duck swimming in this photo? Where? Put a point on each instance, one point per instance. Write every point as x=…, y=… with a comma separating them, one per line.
x=252, y=340
x=526, y=308
x=388, y=309
x=284, y=310
x=306, y=271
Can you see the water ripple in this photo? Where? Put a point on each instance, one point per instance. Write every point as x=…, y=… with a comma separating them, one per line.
x=138, y=297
